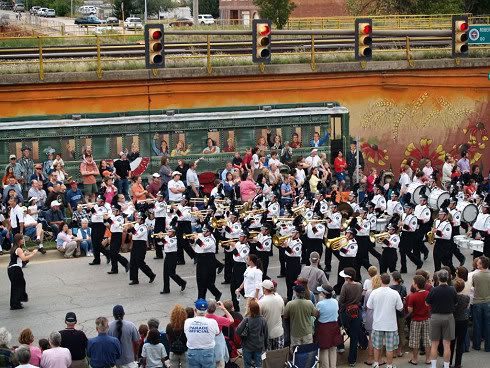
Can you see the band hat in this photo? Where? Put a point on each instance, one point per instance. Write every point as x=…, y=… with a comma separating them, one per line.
x=268, y=285
x=55, y=203
x=71, y=317
x=176, y=173
x=156, y=175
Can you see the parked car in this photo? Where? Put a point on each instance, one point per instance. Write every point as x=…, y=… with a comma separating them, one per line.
x=133, y=23
x=6, y=5
x=112, y=21
x=34, y=10
x=42, y=12
x=87, y=10
x=90, y=20
x=182, y=22
x=206, y=19
x=50, y=13
x=19, y=8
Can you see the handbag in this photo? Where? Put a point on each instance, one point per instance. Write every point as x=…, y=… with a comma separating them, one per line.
x=245, y=331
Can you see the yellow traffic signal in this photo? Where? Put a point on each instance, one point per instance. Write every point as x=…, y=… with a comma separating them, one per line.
x=363, y=39
x=154, y=46
x=460, y=36
x=261, y=40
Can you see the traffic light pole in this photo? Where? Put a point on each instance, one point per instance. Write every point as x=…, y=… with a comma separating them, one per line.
x=195, y=10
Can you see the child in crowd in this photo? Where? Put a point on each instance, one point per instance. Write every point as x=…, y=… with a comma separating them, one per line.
x=143, y=331
x=153, y=354
x=368, y=284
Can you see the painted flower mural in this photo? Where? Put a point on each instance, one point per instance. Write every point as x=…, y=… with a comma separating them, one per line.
x=374, y=154
x=425, y=151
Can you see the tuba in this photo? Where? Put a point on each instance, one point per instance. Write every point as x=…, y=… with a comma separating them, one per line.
x=379, y=237
x=336, y=243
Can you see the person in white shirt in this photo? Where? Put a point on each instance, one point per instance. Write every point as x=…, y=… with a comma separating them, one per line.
x=405, y=179
x=16, y=216
x=274, y=160
x=252, y=279
x=428, y=169
x=313, y=160
x=200, y=333
x=447, y=169
x=384, y=302
x=192, y=179
x=176, y=188
x=272, y=309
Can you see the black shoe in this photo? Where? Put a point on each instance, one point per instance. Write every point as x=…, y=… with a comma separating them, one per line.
x=218, y=297
x=461, y=263
x=127, y=268
x=42, y=250
x=17, y=307
x=152, y=278
x=220, y=269
x=225, y=283
x=107, y=260
x=280, y=276
x=94, y=263
x=112, y=272
x=165, y=292
x=182, y=288
x=157, y=257
x=134, y=282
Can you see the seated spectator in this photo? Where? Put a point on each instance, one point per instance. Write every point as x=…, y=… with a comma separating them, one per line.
x=23, y=357
x=54, y=218
x=77, y=217
x=74, y=196
x=274, y=159
x=211, y=147
x=237, y=161
x=12, y=184
x=33, y=229
x=66, y=243
x=6, y=354
x=56, y=194
x=138, y=191
x=36, y=191
x=56, y=356
x=143, y=332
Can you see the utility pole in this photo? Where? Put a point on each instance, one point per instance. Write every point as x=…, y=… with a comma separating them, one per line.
x=195, y=10
x=71, y=9
x=145, y=17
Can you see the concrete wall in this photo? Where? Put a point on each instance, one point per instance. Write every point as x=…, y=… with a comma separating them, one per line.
x=422, y=112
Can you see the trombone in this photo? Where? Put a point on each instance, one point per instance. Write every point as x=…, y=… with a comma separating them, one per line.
x=253, y=234
x=159, y=235
x=279, y=241
x=200, y=213
x=336, y=243
x=227, y=243
x=190, y=236
x=215, y=223
x=86, y=205
x=379, y=237
x=252, y=212
x=131, y=223
x=298, y=210
x=276, y=219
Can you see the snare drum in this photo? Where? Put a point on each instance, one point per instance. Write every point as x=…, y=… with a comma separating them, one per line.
x=457, y=239
x=381, y=224
x=476, y=245
x=469, y=211
x=464, y=242
x=414, y=190
x=437, y=197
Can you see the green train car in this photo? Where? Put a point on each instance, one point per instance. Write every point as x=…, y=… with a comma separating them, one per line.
x=176, y=133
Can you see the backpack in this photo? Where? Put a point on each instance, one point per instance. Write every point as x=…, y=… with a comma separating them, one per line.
x=177, y=346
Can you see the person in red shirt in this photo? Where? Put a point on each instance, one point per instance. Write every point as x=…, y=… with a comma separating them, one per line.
x=295, y=141
x=247, y=160
x=373, y=174
x=340, y=165
x=420, y=312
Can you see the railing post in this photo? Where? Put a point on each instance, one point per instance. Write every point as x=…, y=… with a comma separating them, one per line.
x=409, y=54
x=62, y=28
x=99, y=62
x=209, y=67
x=313, y=61
x=41, y=64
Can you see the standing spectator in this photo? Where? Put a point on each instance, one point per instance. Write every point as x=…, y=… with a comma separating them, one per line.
x=12, y=184
x=26, y=165
x=340, y=165
x=154, y=187
x=428, y=169
x=137, y=190
x=464, y=163
x=349, y=303
x=23, y=357
x=228, y=169
x=313, y=160
x=447, y=169
x=73, y=196
x=6, y=354
x=16, y=168
x=481, y=304
x=315, y=276
x=248, y=188
x=254, y=341
x=367, y=317
x=272, y=308
x=327, y=333
x=75, y=341
x=400, y=318
x=89, y=172
x=176, y=337
x=384, y=302
x=221, y=355
x=26, y=338
x=317, y=141
x=153, y=352
x=182, y=167
x=165, y=173
x=461, y=315
x=371, y=179
x=193, y=186
x=123, y=173
x=176, y=188
x=103, y=350
x=419, y=324
x=352, y=163
x=200, y=332
x=295, y=141
x=127, y=334
x=476, y=174
x=56, y=356
x=299, y=312
x=442, y=299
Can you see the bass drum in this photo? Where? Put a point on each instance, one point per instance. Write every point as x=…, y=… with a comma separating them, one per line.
x=437, y=197
x=469, y=211
x=414, y=190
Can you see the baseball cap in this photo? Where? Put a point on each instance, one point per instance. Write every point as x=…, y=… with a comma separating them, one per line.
x=201, y=304
x=325, y=288
x=71, y=317
x=348, y=272
x=156, y=175
x=314, y=150
x=73, y=182
x=118, y=310
x=176, y=173
x=12, y=156
x=55, y=203
x=299, y=288
x=268, y=284
x=314, y=256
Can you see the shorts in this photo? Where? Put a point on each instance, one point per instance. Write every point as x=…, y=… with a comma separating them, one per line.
x=442, y=326
x=30, y=232
x=90, y=189
x=389, y=339
x=419, y=330
x=275, y=343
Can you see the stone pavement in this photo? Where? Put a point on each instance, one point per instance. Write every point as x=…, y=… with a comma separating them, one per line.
x=56, y=286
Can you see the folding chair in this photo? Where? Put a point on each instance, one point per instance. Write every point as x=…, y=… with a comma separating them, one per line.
x=276, y=358
x=305, y=356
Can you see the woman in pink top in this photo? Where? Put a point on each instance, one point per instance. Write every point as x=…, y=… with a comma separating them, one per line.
x=220, y=349
x=27, y=338
x=110, y=189
x=248, y=189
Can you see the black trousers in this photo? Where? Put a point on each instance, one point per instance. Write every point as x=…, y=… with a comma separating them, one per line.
x=159, y=227
x=228, y=266
x=264, y=259
x=236, y=280
x=407, y=241
x=332, y=233
x=115, y=247
x=17, y=286
x=137, y=261
x=293, y=269
x=183, y=227
x=419, y=245
x=362, y=256
x=457, y=345
x=343, y=263
x=313, y=245
x=169, y=267
x=443, y=255
x=455, y=249
x=388, y=260
x=206, y=275
x=98, y=229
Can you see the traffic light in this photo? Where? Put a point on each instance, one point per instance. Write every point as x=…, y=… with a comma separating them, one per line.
x=261, y=41
x=460, y=36
x=363, y=39
x=154, y=46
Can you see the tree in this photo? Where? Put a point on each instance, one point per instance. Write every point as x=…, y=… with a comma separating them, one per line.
x=209, y=7
x=278, y=11
x=154, y=6
x=372, y=7
x=129, y=8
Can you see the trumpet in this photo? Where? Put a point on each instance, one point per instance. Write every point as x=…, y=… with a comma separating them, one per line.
x=431, y=237
x=227, y=243
x=276, y=219
x=345, y=224
x=252, y=212
x=190, y=236
x=336, y=243
x=315, y=221
x=204, y=200
x=379, y=237
x=300, y=210
x=215, y=223
x=131, y=223
x=159, y=235
x=86, y=205
x=200, y=213
x=148, y=200
x=279, y=241
x=253, y=234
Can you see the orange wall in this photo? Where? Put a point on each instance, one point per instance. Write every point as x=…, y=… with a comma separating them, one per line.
x=407, y=113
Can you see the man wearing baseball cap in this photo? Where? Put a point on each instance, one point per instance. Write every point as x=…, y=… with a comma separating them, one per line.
x=313, y=274
x=200, y=333
x=272, y=309
x=154, y=187
x=299, y=312
x=176, y=188
x=75, y=341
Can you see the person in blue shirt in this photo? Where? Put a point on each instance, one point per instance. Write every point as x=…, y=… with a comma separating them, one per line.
x=317, y=141
x=73, y=196
x=103, y=350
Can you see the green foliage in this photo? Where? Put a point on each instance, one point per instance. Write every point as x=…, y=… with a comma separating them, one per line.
x=373, y=7
x=154, y=6
x=62, y=7
x=278, y=11
x=209, y=7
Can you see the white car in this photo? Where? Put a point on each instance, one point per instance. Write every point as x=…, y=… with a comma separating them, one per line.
x=87, y=10
x=42, y=12
x=51, y=13
x=133, y=23
x=205, y=19
x=34, y=9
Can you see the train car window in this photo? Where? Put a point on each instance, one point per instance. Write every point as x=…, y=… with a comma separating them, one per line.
x=229, y=141
x=336, y=127
x=68, y=152
x=160, y=144
x=261, y=139
x=45, y=146
x=179, y=147
x=244, y=138
x=212, y=145
x=100, y=147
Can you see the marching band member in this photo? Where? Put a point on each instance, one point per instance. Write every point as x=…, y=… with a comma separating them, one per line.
x=284, y=229
x=481, y=229
x=263, y=246
x=138, y=251
x=393, y=206
x=98, y=228
x=150, y=224
x=334, y=223
x=160, y=210
x=455, y=223
x=409, y=227
x=240, y=252
x=379, y=200
x=184, y=226
x=115, y=223
x=273, y=208
x=170, y=262
x=292, y=247
x=347, y=257
x=315, y=232
x=232, y=230
x=372, y=217
x=424, y=216
x=363, y=228
x=389, y=255
x=442, y=249
x=205, y=250
x=353, y=201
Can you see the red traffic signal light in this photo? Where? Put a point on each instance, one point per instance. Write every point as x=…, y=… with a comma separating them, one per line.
x=363, y=39
x=154, y=46
x=460, y=36
x=264, y=29
x=462, y=26
x=366, y=29
x=261, y=40
x=156, y=34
